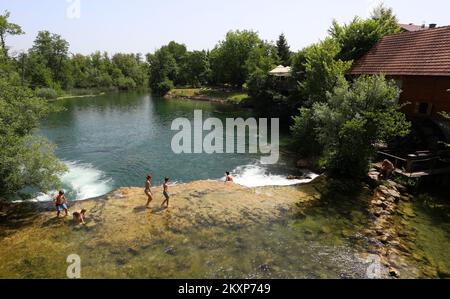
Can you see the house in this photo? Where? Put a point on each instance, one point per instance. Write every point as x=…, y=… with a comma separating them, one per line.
x=419, y=61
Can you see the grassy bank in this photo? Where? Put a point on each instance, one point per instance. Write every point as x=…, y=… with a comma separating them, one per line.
x=209, y=94
x=52, y=94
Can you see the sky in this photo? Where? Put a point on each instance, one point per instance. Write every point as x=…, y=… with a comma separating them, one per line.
x=142, y=26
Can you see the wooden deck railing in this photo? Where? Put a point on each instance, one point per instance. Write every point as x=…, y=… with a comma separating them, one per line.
x=413, y=166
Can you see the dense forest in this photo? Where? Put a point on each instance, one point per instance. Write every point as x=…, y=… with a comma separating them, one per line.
x=324, y=109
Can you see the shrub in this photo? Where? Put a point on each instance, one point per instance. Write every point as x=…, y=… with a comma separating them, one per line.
x=162, y=88
x=47, y=93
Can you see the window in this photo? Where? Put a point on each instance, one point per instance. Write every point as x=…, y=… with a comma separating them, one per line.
x=424, y=108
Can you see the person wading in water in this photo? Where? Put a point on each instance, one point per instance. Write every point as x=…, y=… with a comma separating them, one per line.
x=229, y=178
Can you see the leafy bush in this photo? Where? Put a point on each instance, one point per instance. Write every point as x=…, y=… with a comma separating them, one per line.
x=162, y=88
x=349, y=122
x=25, y=160
x=126, y=83
x=47, y=93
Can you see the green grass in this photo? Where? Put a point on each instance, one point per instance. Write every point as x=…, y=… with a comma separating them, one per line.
x=184, y=92
x=234, y=96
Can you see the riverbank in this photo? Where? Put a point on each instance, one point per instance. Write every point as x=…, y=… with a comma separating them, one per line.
x=216, y=95
x=215, y=230
x=80, y=96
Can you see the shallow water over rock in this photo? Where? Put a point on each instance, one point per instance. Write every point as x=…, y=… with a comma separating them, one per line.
x=214, y=230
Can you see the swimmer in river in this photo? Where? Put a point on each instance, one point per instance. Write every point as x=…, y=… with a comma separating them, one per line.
x=229, y=178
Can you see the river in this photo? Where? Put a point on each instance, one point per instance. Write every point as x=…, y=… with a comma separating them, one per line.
x=115, y=140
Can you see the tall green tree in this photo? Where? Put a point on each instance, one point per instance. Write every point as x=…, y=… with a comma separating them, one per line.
x=261, y=60
x=359, y=36
x=228, y=58
x=48, y=58
x=196, y=70
x=283, y=50
x=319, y=71
x=162, y=70
x=7, y=28
x=179, y=54
x=133, y=73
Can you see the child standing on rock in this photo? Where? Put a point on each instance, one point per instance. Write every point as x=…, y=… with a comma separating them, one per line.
x=61, y=204
x=148, y=190
x=166, y=192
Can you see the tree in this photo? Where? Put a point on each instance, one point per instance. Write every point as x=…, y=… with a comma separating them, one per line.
x=7, y=28
x=318, y=71
x=82, y=71
x=228, y=58
x=48, y=58
x=348, y=124
x=196, y=69
x=358, y=37
x=283, y=50
x=179, y=54
x=261, y=60
x=25, y=160
x=162, y=69
x=132, y=74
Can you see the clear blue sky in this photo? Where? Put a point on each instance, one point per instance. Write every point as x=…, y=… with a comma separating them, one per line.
x=144, y=25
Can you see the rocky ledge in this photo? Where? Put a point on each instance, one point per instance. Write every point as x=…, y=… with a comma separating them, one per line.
x=391, y=210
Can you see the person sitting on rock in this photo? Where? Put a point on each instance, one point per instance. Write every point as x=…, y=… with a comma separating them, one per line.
x=387, y=168
x=79, y=217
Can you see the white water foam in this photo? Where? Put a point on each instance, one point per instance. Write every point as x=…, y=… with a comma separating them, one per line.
x=258, y=176
x=82, y=181
x=86, y=181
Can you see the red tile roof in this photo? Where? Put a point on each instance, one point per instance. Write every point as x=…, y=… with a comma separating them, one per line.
x=419, y=53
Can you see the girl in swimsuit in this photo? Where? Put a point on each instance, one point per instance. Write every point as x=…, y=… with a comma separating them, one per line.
x=166, y=192
x=148, y=191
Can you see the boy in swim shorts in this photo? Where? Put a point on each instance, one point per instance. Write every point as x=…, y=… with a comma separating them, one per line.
x=61, y=204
